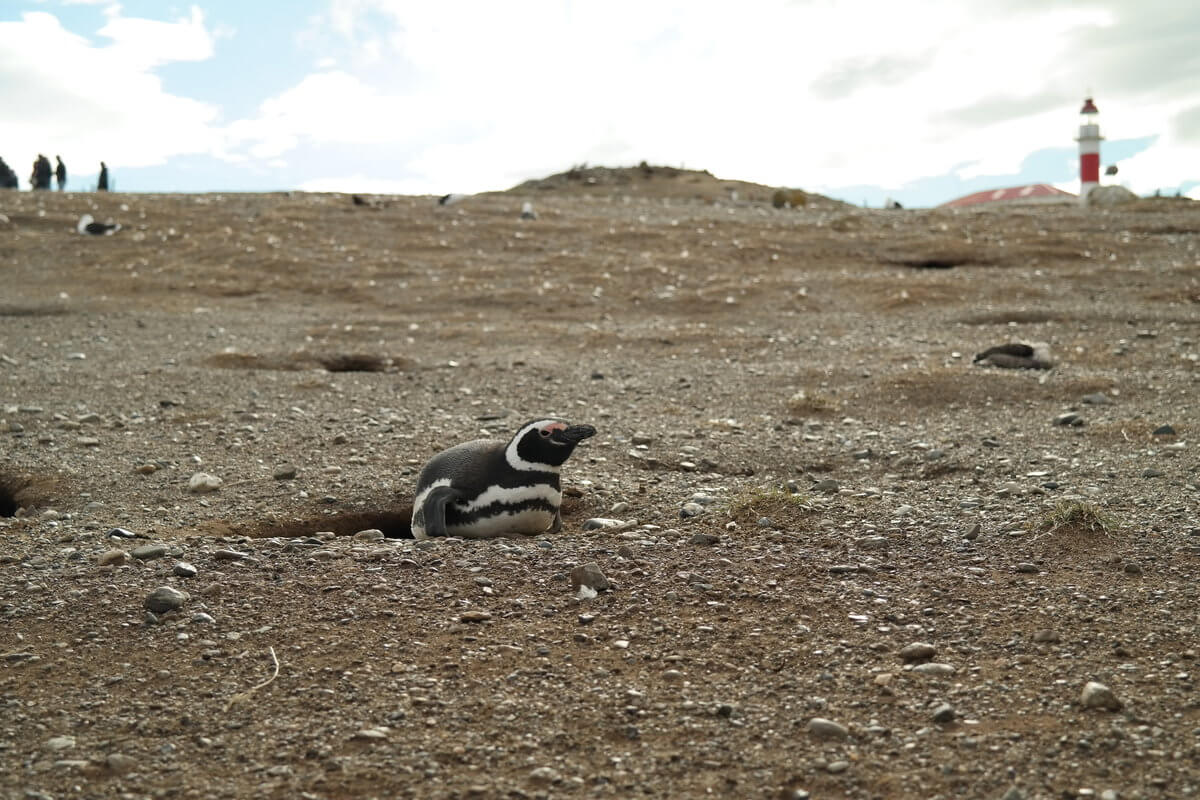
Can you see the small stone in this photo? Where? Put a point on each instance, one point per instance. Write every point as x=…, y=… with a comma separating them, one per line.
x=284, y=472
x=201, y=617
x=704, y=539
x=1133, y=568
x=372, y=734
x=827, y=486
x=149, y=552
x=121, y=533
x=474, y=616
x=873, y=543
x=164, y=599
x=691, y=510
x=601, y=523
x=120, y=763
x=934, y=668
x=1163, y=430
x=1047, y=636
x=1070, y=418
x=1151, y=472
x=1097, y=399
x=146, y=469
x=1013, y=793
x=203, y=483
x=545, y=775
x=1097, y=695
x=944, y=713
x=837, y=767
x=184, y=570
x=589, y=575
x=369, y=535
x=1026, y=567
x=113, y=557
x=917, y=651
x=826, y=728
x=60, y=743
x=973, y=534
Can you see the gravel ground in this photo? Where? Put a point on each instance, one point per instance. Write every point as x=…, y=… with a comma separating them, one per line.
x=846, y=561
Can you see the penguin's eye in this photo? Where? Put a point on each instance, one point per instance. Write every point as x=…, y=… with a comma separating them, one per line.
x=545, y=433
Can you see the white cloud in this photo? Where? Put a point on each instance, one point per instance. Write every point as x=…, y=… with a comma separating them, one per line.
x=91, y=102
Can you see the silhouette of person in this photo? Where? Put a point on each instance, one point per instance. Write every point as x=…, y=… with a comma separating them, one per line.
x=42, y=173
x=8, y=178
x=102, y=185
x=60, y=173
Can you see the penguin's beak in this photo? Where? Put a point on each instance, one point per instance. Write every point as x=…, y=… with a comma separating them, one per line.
x=574, y=434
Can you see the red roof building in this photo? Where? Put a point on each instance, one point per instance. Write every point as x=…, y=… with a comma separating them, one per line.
x=1034, y=193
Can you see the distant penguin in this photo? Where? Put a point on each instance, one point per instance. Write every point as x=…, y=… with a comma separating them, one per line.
x=88, y=225
x=527, y=211
x=1016, y=356
x=488, y=487
x=450, y=199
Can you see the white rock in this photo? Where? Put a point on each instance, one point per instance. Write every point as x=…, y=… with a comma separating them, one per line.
x=203, y=483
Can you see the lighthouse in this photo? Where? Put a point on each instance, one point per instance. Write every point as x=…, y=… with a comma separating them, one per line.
x=1089, y=149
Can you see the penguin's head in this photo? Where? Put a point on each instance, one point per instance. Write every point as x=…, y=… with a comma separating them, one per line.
x=545, y=443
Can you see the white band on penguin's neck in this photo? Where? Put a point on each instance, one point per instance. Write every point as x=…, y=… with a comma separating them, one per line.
x=513, y=457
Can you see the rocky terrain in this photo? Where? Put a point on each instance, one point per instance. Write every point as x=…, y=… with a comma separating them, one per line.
x=841, y=560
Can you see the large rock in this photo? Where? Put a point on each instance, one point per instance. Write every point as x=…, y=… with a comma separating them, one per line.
x=1110, y=196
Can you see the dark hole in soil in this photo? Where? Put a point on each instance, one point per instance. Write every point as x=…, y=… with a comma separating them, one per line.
x=8, y=500
x=23, y=491
x=933, y=263
x=354, y=362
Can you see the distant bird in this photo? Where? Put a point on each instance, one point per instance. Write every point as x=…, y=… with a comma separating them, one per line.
x=1016, y=356
x=88, y=225
x=527, y=211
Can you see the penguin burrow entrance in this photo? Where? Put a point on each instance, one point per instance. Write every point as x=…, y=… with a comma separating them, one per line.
x=395, y=523
x=19, y=492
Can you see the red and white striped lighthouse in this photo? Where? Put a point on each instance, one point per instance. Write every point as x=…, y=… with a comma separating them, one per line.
x=1089, y=150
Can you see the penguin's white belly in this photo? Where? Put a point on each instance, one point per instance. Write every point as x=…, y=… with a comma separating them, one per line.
x=527, y=521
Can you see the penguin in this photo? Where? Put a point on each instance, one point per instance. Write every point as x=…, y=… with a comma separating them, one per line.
x=1016, y=356
x=88, y=225
x=488, y=488
x=527, y=211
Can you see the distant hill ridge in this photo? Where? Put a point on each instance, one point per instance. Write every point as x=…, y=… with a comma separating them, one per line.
x=646, y=180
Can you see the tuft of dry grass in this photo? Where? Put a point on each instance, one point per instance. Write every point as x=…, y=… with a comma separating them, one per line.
x=805, y=403
x=777, y=503
x=1076, y=516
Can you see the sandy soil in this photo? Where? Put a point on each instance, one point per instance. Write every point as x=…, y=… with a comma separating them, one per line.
x=809, y=473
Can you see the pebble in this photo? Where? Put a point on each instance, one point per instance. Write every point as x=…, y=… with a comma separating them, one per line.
x=828, y=486
x=149, y=552
x=121, y=533
x=589, y=575
x=917, y=651
x=933, y=668
x=229, y=555
x=201, y=617
x=1164, y=430
x=1069, y=418
x=1027, y=568
x=1133, y=568
x=60, y=743
x=826, y=728
x=114, y=557
x=704, y=539
x=944, y=713
x=601, y=523
x=120, y=763
x=369, y=535
x=1151, y=472
x=836, y=767
x=1046, y=635
x=1097, y=695
x=146, y=469
x=203, y=483
x=184, y=570
x=973, y=534
x=873, y=543
x=1097, y=399
x=164, y=599
x=284, y=472
x=474, y=616
x=691, y=510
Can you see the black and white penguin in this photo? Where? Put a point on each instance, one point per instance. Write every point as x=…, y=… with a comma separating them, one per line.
x=1016, y=356
x=89, y=225
x=489, y=488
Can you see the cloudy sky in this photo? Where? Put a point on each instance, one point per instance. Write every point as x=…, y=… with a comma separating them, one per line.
x=860, y=99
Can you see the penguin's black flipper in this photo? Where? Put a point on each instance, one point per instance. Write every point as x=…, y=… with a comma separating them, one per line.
x=433, y=510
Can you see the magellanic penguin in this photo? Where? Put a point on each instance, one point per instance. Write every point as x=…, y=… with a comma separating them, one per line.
x=89, y=225
x=1016, y=356
x=489, y=488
